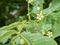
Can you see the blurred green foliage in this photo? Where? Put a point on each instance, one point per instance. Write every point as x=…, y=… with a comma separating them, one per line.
x=16, y=13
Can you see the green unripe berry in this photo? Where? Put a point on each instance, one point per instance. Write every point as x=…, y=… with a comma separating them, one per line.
x=22, y=41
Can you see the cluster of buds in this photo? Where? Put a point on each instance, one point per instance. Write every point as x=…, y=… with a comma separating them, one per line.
x=49, y=34
x=40, y=16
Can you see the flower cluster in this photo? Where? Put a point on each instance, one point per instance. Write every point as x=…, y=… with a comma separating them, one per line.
x=40, y=16
x=49, y=34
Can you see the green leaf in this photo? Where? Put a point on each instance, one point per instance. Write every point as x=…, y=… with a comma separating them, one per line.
x=30, y=26
x=1, y=34
x=48, y=19
x=11, y=26
x=54, y=6
x=46, y=27
x=7, y=35
x=33, y=26
x=38, y=39
x=56, y=15
x=56, y=31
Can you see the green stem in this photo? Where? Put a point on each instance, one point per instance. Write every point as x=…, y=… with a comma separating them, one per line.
x=28, y=12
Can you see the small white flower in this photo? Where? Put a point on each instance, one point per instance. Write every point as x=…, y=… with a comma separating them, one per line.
x=49, y=34
x=29, y=1
x=40, y=17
